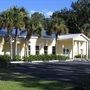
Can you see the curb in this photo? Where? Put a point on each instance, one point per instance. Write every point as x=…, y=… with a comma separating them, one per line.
x=20, y=62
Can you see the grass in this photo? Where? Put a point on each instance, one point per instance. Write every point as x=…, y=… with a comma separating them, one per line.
x=50, y=85
x=15, y=80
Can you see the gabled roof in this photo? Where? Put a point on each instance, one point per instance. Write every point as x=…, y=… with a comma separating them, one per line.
x=70, y=36
x=23, y=34
x=3, y=32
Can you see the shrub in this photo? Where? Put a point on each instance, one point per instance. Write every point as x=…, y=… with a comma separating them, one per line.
x=17, y=58
x=60, y=57
x=45, y=57
x=36, y=57
x=79, y=56
x=4, y=60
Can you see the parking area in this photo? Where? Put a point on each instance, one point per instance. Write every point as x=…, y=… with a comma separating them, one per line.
x=73, y=72
x=47, y=76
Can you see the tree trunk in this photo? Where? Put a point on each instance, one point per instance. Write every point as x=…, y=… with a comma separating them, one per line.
x=56, y=43
x=4, y=46
x=11, y=48
x=25, y=50
x=16, y=46
x=26, y=47
x=16, y=32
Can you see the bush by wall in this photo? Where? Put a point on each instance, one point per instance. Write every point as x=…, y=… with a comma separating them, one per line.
x=45, y=57
x=4, y=60
x=17, y=58
x=79, y=56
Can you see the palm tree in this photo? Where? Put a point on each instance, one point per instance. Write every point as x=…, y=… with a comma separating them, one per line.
x=1, y=21
x=18, y=22
x=37, y=20
x=29, y=30
x=13, y=19
x=48, y=26
x=58, y=26
x=86, y=29
x=33, y=25
x=6, y=23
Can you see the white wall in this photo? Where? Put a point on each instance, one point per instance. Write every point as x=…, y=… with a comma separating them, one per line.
x=80, y=42
x=74, y=46
x=35, y=41
x=67, y=44
x=1, y=45
x=78, y=45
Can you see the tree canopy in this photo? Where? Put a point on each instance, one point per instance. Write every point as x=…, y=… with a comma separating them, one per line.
x=74, y=20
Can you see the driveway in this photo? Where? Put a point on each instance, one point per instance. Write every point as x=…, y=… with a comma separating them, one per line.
x=77, y=73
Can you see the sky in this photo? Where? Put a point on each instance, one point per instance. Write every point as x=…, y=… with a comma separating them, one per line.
x=47, y=7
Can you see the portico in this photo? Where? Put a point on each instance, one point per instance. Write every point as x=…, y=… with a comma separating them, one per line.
x=72, y=45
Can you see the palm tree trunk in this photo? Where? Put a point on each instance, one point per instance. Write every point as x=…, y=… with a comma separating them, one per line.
x=16, y=46
x=25, y=50
x=56, y=43
x=11, y=48
x=16, y=32
x=26, y=46
x=4, y=46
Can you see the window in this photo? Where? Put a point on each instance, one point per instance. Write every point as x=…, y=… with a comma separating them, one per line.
x=29, y=50
x=65, y=51
x=53, y=50
x=37, y=50
x=45, y=49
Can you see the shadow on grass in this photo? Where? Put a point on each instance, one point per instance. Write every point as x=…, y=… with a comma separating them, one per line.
x=48, y=76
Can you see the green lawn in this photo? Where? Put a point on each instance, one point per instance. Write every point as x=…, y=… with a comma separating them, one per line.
x=32, y=85
x=10, y=80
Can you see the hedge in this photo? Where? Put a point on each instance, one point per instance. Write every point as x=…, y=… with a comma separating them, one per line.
x=4, y=60
x=45, y=57
x=79, y=56
x=16, y=58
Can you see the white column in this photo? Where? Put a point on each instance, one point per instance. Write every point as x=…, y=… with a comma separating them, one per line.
x=77, y=47
x=86, y=50
x=41, y=48
x=72, y=49
x=33, y=50
x=27, y=49
x=89, y=49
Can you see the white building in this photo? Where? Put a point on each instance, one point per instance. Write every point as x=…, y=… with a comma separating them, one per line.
x=69, y=45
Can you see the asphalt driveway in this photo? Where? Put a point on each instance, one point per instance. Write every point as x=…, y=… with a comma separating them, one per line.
x=77, y=73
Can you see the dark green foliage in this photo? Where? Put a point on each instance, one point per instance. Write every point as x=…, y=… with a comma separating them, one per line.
x=76, y=19
x=79, y=56
x=17, y=58
x=45, y=57
x=4, y=60
x=80, y=16
x=60, y=57
x=37, y=21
